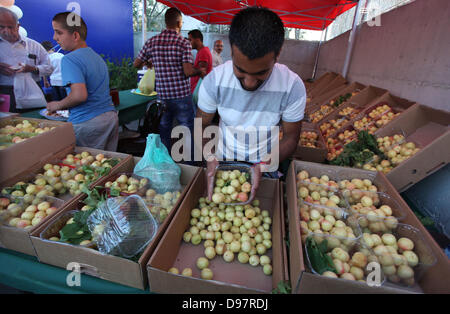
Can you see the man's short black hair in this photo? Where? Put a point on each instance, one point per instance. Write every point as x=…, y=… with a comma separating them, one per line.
x=195, y=33
x=256, y=32
x=171, y=17
x=66, y=21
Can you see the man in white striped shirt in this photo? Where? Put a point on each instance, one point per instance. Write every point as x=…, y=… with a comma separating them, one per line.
x=18, y=55
x=253, y=91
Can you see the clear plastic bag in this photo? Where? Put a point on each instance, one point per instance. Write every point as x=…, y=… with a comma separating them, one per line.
x=157, y=166
x=122, y=226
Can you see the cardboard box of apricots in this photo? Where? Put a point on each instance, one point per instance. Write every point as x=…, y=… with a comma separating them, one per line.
x=429, y=130
x=228, y=277
x=26, y=153
x=310, y=147
x=18, y=239
x=432, y=279
x=108, y=267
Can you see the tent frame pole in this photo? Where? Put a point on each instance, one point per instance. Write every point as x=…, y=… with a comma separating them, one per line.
x=316, y=62
x=144, y=24
x=352, y=38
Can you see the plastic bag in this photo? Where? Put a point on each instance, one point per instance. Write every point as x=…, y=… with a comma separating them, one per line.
x=196, y=92
x=122, y=226
x=157, y=166
x=147, y=83
x=27, y=92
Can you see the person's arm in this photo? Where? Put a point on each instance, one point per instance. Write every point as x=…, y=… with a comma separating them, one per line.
x=78, y=94
x=189, y=70
x=139, y=64
x=42, y=66
x=291, y=136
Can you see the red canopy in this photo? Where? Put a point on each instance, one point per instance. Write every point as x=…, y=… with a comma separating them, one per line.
x=306, y=14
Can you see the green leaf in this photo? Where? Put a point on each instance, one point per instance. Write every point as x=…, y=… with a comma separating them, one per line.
x=283, y=287
x=318, y=258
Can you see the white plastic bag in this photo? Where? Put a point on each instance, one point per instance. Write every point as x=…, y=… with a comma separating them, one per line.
x=27, y=92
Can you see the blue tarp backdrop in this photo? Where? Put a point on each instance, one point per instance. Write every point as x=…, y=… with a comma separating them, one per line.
x=109, y=22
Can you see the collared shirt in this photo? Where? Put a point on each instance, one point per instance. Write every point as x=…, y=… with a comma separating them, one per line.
x=167, y=52
x=16, y=53
x=216, y=58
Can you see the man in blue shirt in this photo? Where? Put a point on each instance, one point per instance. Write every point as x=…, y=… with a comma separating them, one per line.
x=92, y=112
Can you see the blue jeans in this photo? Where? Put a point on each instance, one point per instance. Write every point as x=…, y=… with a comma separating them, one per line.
x=181, y=109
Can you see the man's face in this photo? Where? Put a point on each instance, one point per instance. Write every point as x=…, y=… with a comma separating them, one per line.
x=9, y=29
x=63, y=37
x=252, y=73
x=218, y=46
x=193, y=41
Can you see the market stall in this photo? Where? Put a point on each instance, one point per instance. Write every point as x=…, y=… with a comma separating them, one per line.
x=132, y=228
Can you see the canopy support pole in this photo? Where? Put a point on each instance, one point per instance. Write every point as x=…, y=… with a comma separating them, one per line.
x=144, y=24
x=352, y=38
x=316, y=62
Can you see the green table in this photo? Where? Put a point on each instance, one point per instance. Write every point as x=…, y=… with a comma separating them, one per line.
x=25, y=273
x=132, y=107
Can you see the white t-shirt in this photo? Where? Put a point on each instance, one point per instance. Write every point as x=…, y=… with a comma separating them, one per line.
x=56, y=77
x=281, y=97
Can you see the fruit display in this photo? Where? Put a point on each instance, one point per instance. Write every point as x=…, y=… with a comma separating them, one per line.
x=309, y=139
x=20, y=131
x=323, y=220
x=320, y=113
x=395, y=150
x=380, y=110
x=15, y=212
x=363, y=123
x=398, y=254
x=328, y=258
x=347, y=136
x=349, y=112
x=386, y=118
x=126, y=184
x=234, y=232
x=72, y=175
x=335, y=148
x=231, y=186
x=328, y=128
x=342, y=98
x=376, y=118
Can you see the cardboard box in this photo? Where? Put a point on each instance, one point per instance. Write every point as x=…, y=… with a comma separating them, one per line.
x=327, y=86
x=368, y=95
x=319, y=99
x=336, y=93
x=18, y=239
x=429, y=129
x=23, y=155
x=397, y=106
x=94, y=263
x=433, y=281
x=315, y=154
x=327, y=76
x=284, y=236
x=229, y=278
